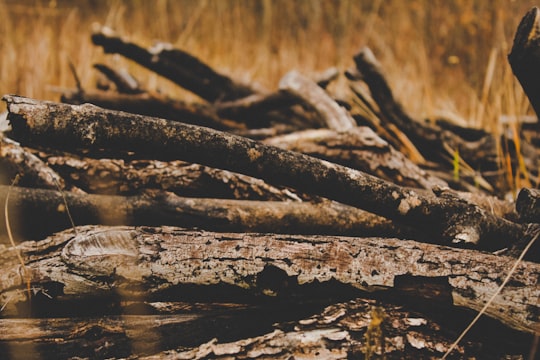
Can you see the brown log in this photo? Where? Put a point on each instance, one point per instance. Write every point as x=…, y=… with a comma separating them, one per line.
x=152, y=104
x=37, y=213
x=355, y=328
x=446, y=218
x=331, y=114
x=124, y=82
x=434, y=143
x=358, y=148
x=127, y=177
x=142, y=263
x=15, y=160
x=176, y=65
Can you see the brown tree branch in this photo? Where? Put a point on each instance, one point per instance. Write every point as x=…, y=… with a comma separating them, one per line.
x=446, y=218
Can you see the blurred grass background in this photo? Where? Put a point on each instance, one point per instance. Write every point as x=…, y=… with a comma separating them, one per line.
x=441, y=56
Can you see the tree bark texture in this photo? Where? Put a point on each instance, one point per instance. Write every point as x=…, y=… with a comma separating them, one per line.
x=129, y=176
x=92, y=128
x=358, y=148
x=152, y=104
x=36, y=213
x=142, y=263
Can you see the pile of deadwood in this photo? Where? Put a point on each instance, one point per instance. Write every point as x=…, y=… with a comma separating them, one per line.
x=264, y=223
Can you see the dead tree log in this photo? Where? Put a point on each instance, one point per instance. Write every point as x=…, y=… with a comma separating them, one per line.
x=37, y=213
x=355, y=329
x=331, y=114
x=15, y=160
x=142, y=263
x=446, y=218
x=176, y=65
x=358, y=148
x=152, y=104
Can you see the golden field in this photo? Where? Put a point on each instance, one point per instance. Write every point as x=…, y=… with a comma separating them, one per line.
x=439, y=55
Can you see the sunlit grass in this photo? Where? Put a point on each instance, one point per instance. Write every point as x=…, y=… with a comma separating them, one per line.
x=442, y=57
x=439, y=55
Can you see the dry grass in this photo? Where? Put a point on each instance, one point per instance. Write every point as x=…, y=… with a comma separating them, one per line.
x=440, y=55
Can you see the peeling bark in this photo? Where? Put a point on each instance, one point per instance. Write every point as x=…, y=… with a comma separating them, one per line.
x=135, y=263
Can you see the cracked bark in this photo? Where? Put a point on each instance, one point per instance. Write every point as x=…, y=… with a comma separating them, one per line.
x=142, y=263
x=448, y=219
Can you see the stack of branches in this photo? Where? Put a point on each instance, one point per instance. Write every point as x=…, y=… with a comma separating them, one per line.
x=273, y=223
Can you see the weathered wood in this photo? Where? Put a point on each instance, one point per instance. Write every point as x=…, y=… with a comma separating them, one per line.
x=124, y=82
x=120, y=334
x=332, y=115
x=152, y=104
x=343, y=330
x=434, y=143
x=524, y=58
x=359, y=148
x=176, y=65
x=15, y=160
x=135, y=263
x=129, y=176
x=528, y=205
x=446, y=218
x=358, y=329
x=37, y=213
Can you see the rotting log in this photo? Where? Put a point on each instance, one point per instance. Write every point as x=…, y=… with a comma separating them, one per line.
x=37, y=213
x=342, y=330
x=358, y=329
x=142, y=263
x=447, y=219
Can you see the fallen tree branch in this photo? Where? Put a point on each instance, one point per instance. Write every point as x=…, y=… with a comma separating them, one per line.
x=331, y=114
x=37, y=213
x=127, y=177
x=14, y=159
x=359, y=148
x=139, y=263
x=176, y=65
x=152, y=104
x=447, y=219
